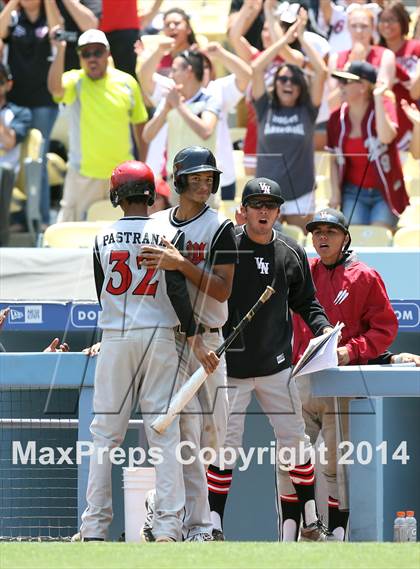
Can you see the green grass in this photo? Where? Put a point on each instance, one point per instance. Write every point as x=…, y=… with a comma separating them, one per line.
x=231, y=555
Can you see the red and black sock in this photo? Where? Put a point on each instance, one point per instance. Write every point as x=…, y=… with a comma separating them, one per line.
x=290, y=515
x=219, y=483
x=303, y=479
x=337, y=519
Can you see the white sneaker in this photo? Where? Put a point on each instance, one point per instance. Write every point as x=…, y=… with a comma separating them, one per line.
x=164, y=539
x=315, y=532
x=146, y=533
x=202, y=536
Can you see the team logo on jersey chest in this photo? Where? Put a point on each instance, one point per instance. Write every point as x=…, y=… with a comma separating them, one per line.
x=262, y=266
x=195, y=252
x=341, y=296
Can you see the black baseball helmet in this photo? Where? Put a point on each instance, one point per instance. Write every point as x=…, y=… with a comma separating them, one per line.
x=191, y=160
x=328, y=216
x=262, y=187
x=132, y=178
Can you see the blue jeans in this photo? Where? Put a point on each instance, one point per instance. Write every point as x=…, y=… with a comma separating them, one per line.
x=370, y=208
x=43, y=119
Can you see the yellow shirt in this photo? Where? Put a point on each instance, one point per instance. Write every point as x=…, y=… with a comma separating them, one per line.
x=101, y=112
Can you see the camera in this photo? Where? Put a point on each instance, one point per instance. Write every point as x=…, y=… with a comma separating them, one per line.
x=63, y=35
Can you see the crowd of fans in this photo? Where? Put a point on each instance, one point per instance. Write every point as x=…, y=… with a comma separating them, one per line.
x=313, y=75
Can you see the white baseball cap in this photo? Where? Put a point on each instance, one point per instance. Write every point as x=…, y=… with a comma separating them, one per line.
x=92, y=36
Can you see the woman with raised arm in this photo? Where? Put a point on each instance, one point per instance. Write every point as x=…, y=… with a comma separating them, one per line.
x=286, y=122
x=393, y=27
x=366, y=174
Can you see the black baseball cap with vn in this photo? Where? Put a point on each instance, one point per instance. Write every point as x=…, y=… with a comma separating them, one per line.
x=258, y=187
x=356, y=71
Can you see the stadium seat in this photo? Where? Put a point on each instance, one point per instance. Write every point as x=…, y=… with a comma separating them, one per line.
x=73, y=234
x=26, y=191
x=370, y=236
x=237, y=133
x=102, y=210
x=228, y=208
x=411, y=170
x=411, y=215
x=408, y=237
x=241, y=177
x=322, y=177
x=294, y=232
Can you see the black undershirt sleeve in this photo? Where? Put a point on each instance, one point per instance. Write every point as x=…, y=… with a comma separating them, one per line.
x=176, y=287
x=98, y=271
x=223, y=249
x=382, y=359
x=302, y=298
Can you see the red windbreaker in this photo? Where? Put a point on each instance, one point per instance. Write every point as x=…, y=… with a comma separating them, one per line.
x=354, y=294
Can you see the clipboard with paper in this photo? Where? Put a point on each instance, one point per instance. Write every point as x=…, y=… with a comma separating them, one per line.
x=320, y=354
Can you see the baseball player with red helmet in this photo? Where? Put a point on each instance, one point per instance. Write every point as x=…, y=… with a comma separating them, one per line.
x=353, y=293
x=208, y=264
x=138, y=361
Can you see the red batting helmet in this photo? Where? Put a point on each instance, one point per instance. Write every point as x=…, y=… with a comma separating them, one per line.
x=132, y=178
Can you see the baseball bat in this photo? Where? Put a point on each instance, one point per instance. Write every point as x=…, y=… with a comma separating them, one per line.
x=193, y=384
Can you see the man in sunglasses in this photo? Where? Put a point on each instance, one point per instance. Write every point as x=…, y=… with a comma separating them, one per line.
x=104, y=104
x=260, y=360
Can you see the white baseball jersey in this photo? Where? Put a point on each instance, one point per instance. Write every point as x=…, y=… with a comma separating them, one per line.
x=209, y=240
x=131, y=296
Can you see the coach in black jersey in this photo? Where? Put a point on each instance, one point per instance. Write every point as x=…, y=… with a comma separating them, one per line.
x=260, y=360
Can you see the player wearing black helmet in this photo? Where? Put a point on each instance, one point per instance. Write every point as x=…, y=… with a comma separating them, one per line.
x=208, y=264
x=138, y=362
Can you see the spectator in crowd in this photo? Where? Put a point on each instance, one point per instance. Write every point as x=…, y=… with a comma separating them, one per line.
x=14, y=125
x=24, y=28
x=253, y=16
x=103, y=103
x=393, y=26
x=361, y=24
x=163, y=194
x=229, y=90
x=177, y=26
x=332, y=21
x=370, y=328
x=413, y=114
x=270, y=32
x=78, y=17
x=190, y=113
x=121, y=23
x=286, y=123
x=367, y=178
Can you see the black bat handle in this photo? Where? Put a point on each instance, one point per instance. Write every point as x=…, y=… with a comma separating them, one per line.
x=245, y=320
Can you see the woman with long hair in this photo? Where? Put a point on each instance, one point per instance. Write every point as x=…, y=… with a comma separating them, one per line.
x=24, y=27
x=362, y=27
x=286, y=122
x=393, y=27
x=366, y=175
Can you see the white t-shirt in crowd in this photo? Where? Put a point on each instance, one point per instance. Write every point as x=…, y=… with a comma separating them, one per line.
x=228, y=95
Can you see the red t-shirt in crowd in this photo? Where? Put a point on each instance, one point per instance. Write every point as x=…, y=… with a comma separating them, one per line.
x=406, y=57
x=119, y=15
x=355, y=151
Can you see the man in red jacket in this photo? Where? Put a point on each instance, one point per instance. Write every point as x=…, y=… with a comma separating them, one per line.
x=353, y=293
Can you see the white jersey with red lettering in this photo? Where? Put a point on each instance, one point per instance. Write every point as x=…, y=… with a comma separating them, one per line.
x=131, y=296
x=209, y=241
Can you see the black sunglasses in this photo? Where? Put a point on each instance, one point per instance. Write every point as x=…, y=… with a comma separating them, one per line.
x=87, y=53
x=259, y=204
x=285, y=79
x=345, y=81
